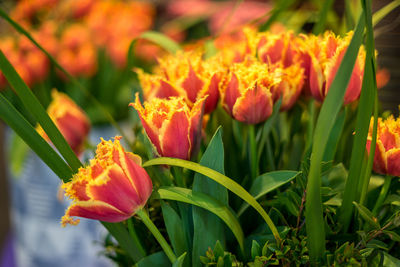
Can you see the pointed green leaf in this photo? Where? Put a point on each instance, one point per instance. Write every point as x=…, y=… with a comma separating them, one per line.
x=25, y=130
x=268, y=182
x=367, y=215
x=173, y=224
x=33, y=105
x=384, y=11
x=207, y=227
x=179, y=261
x=221, y=179
x=18, y=152
x=206, y=202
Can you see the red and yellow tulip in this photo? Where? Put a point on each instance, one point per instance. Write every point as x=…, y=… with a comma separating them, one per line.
x=171, y=125
x=387, y=152
x=111, y=189
x=246, y=91
x=326, y=62
x=70, y=119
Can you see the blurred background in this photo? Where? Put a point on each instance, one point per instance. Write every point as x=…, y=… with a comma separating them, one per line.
x=91, y=40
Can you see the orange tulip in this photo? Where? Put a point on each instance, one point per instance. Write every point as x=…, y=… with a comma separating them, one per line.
x=325, y=64
x=246, y=92
x=171, y=125
x=112, y=188
x=387, y=151
x=69, y=119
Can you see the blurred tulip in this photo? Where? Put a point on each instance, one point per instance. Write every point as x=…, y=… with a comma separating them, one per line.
x=171, y=125
x=290, y=86
x=69, y=119
x=325, y=64
x=111, y=189
x=387, y=152
x=246, y=92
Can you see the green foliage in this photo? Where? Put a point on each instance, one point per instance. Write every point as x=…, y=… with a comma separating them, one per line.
x=219, y=258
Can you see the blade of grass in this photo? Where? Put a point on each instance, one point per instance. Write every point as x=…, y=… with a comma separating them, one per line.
x=33, y=105
x=162, y=40
x=221, y=179
x=101, y=108
x=384, y=11
x=326, y=119
x=364, y=112
x=322, y=16
x=24, y=129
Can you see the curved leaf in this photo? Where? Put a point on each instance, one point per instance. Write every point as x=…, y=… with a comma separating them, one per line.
x=206, y=202
x=221, y=179
x=162, y=40
x=268, y=182
x=179, y=261
x=158, y=259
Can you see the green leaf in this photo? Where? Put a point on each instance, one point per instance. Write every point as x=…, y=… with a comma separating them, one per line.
x=173, y=223
x=392, y=235
x=322, y=16
x=33, y=105
x=358, y=179
x=158, y=259
x=121, y=234
x=384, y=11
x=162, y=40
x=206, y=202
x=268, y=182
x=18, y=152
x=179, y=261
x=390, y=261
x=25, y=130
x=326, y=119
x=221, y=179
x=334, y=137
x=207, y=227
x=367, y=215
x=255, y=249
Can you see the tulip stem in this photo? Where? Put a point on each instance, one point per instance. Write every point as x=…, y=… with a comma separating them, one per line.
x=382, y=194
x=253, y=152
x=156, y=233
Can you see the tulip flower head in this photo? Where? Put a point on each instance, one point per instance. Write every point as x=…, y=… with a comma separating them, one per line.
x=111, y=189
x=70, y=119
x=325, y=63
x=387, y=152
x=171, y=125
x=246, y=91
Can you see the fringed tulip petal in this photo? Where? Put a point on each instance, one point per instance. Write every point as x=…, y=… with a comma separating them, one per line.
x=393, y=162
x=112, y=188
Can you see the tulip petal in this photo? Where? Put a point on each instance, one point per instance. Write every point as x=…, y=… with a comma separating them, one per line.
x=231, y=93
x=174, y=136
x=95, y=210
x=316, y=80
x=379, y=158
x=114, y=188
x=192, y=84
x=254, y=106
x=393, y=162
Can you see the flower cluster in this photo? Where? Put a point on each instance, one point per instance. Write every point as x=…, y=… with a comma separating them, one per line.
x=73, y=32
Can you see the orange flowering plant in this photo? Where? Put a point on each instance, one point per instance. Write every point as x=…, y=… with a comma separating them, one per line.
x=255, y=145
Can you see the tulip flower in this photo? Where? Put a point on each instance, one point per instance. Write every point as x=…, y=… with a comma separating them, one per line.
x=171, y=125
x=387, y=151
x=325, y=64
x=246, y=92
x=70, y=119
x=111, y=189
x=186, y=75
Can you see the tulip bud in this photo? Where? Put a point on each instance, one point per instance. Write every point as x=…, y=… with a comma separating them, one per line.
x=325, y=65
x=171, y=125
x=111, y=189
x=70, y=119
x=387, y=152
x=246, y=92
